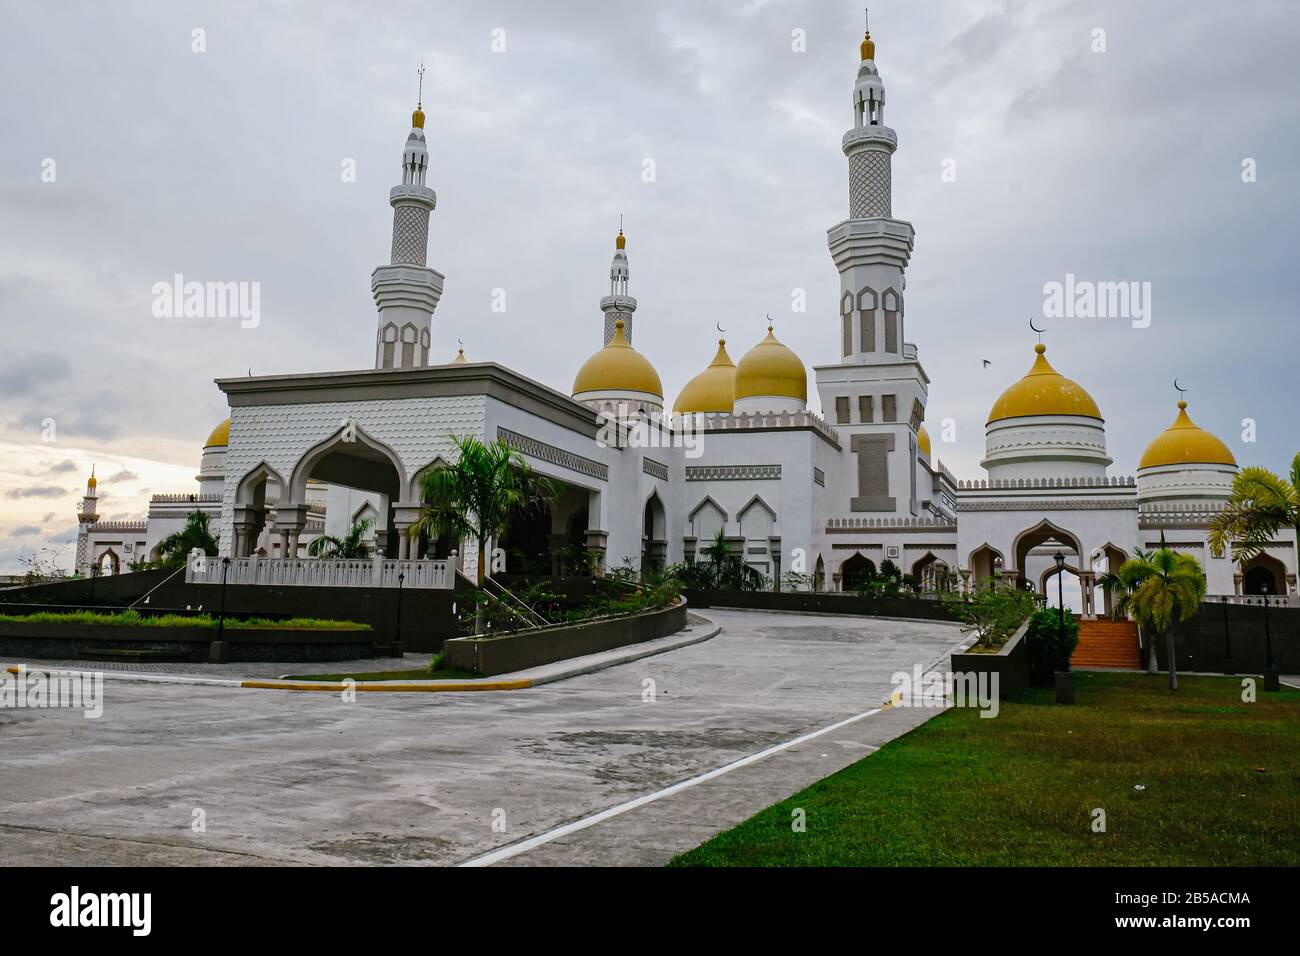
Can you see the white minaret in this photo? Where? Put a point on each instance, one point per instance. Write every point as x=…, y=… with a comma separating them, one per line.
x=876, y=395
x=407, y=291
x=87, y=514
x=618, y=304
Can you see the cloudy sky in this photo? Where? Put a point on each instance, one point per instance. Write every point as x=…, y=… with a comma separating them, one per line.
x=131, y=156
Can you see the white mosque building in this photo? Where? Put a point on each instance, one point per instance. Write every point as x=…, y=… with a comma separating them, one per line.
x=737, y=453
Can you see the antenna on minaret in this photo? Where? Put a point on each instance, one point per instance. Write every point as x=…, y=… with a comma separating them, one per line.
x=866, y=18
x=419, y=102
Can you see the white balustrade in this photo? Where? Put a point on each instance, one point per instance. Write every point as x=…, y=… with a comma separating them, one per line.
x=317, y=572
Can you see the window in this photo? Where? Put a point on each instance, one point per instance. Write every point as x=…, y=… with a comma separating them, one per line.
x=842, y=410
x=866, y=409
x=888, y=408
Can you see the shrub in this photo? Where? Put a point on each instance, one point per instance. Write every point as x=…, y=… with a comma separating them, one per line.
x=1045, y=647
x=993, y=613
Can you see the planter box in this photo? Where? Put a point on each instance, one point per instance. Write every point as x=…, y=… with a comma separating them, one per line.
x=1010, y=663
x=505, y=653
x=66, y=641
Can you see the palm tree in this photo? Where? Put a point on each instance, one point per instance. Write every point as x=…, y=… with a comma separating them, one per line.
x=477, y=496
x=1126, y=579
x=1168, y=590
x=729, y=571
x=351, y=545
x=1261, y=505
x=196, y=534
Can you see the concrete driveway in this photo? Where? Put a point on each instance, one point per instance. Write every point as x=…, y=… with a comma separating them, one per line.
x=445, y=778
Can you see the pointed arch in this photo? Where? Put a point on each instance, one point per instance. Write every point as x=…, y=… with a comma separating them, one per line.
x=360, y=445
x=255, y=481
x=762, y=528
x=413, y=489
x=701, y=525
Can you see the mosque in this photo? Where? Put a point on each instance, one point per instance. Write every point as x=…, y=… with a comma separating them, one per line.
x=827, y=498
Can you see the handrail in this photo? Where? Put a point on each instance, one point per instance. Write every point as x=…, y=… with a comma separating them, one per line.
x=535, y=619
x=156, y=587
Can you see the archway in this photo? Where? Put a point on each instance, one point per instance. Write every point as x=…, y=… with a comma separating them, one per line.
x=654, y=534
x=259, y=489
x=1071, y=589
x=930, y=574
x=1035, y=547
x=855, y=570
x=1263, y=571
x=352, y=459
x=985, y=565
x=108, y=563
x=1108, y=559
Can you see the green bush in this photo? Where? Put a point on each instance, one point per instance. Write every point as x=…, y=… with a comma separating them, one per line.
x=133, y=618
x=1046, y=651
x=993, y=613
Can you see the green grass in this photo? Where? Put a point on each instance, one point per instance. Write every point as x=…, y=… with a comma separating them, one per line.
x=1221, y=779
x=132, y=618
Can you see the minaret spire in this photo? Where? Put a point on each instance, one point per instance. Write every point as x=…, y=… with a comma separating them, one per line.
x=406, y=290
x=618, y=305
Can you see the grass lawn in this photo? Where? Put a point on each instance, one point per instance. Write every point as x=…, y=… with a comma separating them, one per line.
x=1221, y=783
x=419, y=673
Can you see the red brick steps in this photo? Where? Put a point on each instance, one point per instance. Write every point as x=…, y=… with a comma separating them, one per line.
x=1107, y=644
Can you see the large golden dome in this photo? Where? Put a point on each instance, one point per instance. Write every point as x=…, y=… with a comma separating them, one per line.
x=923, y=441
x=618, y=367
x=1044, y=391
x=1186, y=443
x=771, y=369
x=713, y=390
x=220, y=436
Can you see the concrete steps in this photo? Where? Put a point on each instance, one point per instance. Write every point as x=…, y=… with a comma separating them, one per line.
x=1107, y=644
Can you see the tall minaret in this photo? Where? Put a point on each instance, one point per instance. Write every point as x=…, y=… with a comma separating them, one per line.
x=87, y=514
x=407, y=291
x=876, y=395
x=618, y=304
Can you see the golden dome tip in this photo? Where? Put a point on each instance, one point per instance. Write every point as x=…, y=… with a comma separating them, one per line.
x=1040, y=348
x=868, y=48
x=619, y=241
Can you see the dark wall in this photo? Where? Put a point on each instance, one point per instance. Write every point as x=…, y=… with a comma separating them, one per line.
x=1200, y=643
x=511, y=652
x=822, y=602
x=109, y=590
x=1011, y=664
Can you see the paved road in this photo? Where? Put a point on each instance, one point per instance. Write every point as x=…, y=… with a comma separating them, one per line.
x=423, y=778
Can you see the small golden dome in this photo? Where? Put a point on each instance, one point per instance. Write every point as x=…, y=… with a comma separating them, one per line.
x=91, y=482
x=220, y=436
x=868, y=47
x=1044, y=391
x=771, y=369
x=618, y=367
x=713, y=390
x=417, y=119
x=923, y=442
x=460, y=358
x=1186, y=443
x=620, y=242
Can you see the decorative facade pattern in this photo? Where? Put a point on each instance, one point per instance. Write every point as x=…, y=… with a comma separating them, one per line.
x=556, y=456
x=870, y=185
x=654, y=468
x=410, y=235
x=732, y=472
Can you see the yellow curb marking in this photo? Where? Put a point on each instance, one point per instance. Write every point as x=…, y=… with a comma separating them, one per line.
x=337, y=687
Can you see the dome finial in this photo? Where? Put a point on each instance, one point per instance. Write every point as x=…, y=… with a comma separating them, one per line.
x=417, y=118
x=868, y=48
x=619, y=241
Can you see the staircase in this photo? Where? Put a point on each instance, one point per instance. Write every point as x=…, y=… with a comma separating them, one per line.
x=1107, y=644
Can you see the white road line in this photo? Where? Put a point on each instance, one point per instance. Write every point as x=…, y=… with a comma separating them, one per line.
x=514, y=849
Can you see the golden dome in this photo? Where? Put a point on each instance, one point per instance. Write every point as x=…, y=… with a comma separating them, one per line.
x=923, y=442
x=868, y=47
x=618, y=367
x=769, y=368
x=220, y=436
x=1044, y=391
x=713, y=390
x=459, y=359
x=417, y=118
x=91, y=483
x=619, y=241
x=1186, y=443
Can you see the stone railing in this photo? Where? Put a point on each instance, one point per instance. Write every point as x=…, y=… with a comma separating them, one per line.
x=137, y=526
x=376, y=572
x=938, y=524
x=1254, y=600
x=197, y=499
x=723, y=421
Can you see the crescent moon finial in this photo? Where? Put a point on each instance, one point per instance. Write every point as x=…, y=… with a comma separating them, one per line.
x=769, y=321
x=1178, y=387
x=460, y=342
x=721, y=330
x=1036, y=328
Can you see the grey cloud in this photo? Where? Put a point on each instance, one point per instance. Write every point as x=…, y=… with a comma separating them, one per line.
x=23, y=530
x=38, y=491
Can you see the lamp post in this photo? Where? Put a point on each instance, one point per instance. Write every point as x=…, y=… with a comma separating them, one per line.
x=221, y=613
x=1227, y=639
x=397, y=631
x=1064, y=678
x=1271, y=675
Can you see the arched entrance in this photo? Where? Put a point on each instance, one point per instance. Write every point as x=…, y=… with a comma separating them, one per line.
x=1263, y=571
x=654, y=534
x=930, y=574
x=108, y=563
x=985, y=565
x=351, y=459
x=1108, y=560
x=855, y=571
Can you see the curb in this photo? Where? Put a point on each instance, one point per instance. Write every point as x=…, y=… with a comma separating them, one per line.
x=520, y=680
x=841, y=614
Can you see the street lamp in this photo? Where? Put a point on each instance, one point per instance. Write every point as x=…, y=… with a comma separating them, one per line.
x=1271, y=675
x=1064, y=678
x=221, y=613
x=1227, y=639
x=397, y=631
